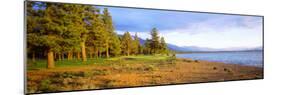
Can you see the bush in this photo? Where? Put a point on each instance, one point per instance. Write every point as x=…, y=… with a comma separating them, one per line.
x=172, y=59
x=150, y=68
x=108, y=83
x=186, y=60
x=73, y=74
x=227, y=70
x=87, y=74
x=214, y=68
x=100, y=72
x=45, y=86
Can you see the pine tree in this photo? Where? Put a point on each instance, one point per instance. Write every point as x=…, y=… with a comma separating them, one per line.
x=79, y=17
x=126, y=43
x=155, y=42
x=147, y=48
x=91, y=16
x=136, y=45
x=115, y=45
x=163, y=46
x=109, y=32
x=32, y=20
x=97, y=36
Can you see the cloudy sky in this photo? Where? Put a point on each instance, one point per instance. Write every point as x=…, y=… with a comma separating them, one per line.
x=191, y=29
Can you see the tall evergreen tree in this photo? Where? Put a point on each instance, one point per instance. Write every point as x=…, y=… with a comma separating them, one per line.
x=155, y=42
x=115, y=45
x=126, y=43
x=97, y=36
x=76, y=22
x=92, y=26
x=136, y=45
x=147, y=48
x=163, y=46
x=33, y=17
x=109, y=32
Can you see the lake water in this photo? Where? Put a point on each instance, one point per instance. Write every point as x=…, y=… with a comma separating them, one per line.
x=251, y=58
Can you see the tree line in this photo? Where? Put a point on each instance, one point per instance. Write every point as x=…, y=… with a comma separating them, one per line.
x=58, y=31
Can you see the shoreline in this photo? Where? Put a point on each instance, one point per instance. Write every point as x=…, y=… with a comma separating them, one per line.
x=208, y=61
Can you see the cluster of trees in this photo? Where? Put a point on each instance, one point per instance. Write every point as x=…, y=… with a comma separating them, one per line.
x=155, y=45
x=58, y=30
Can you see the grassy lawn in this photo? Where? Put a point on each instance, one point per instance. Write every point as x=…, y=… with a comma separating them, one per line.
x=41, y=63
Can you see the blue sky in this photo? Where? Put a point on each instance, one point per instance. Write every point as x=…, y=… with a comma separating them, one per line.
x=191, y=29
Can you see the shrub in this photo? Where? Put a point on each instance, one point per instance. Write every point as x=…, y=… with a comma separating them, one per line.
x=227, y=70
x=87, y=74
x=45, y=86
x=186, y=60
x=214, y=68
x=73, y=74
x=66, y=75
x=150, y=68
x=172, y=59
x=108, y=83
x=100, y=72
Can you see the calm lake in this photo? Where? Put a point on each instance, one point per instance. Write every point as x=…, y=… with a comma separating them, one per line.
x=251, y=58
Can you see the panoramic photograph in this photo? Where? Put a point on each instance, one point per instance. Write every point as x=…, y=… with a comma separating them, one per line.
x=73, y=47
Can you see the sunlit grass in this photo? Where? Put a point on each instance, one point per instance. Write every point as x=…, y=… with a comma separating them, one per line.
x=42, y=63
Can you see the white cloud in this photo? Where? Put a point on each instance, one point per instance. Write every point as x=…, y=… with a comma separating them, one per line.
x=217, y=35
x=221, y=32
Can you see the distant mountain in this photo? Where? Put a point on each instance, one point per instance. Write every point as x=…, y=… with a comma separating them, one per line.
x=258, y=48
x=189, y=48
x=243, y=49
x=202, y=49
x=142, y=41
x=205, y=49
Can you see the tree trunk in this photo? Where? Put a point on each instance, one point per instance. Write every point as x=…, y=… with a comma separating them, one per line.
x=33, y=56
x=59, y=56
x=62, y=56
x=107, y=51
x=96, y=53
x=50, y=62
x=128, y=52
x=99, y=53
x=78, y=55
x=55, y=56
x=69, y=55
x=84, y=56
x=91, y=54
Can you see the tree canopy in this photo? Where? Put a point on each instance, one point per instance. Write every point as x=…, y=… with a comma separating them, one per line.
x=56, y=30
